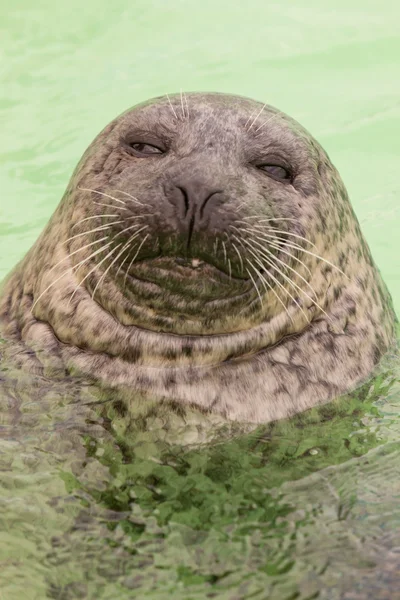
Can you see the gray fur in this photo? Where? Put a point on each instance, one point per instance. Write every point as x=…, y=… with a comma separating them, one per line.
x=204, y=339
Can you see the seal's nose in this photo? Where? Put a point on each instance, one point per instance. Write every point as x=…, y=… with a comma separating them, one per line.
x=194, y=200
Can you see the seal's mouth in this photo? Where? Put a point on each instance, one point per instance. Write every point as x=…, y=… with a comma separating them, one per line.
x=192, y=277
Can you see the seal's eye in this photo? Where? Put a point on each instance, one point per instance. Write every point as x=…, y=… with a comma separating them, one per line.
x=145, y=149
x=276, y=172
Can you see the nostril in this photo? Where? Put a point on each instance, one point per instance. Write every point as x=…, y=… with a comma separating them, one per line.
x=185, y=198
x=202, y=207
x=193, y=197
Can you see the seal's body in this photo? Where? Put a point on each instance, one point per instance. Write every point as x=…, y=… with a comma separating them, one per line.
x=205, y=252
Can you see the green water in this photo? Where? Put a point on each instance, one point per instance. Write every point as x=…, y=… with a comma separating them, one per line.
x=95, y=505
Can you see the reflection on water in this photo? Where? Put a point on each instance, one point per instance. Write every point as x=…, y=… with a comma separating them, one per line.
x=103, y=499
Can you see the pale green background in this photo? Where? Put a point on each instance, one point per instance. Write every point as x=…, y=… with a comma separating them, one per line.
x=67, y=68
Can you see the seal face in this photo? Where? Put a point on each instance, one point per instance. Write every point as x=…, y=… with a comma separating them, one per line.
x=205, y=251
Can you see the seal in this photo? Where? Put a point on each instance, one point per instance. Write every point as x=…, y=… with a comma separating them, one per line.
x=205, y=252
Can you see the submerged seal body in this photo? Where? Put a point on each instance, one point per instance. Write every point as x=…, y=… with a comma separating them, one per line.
x=205, y=252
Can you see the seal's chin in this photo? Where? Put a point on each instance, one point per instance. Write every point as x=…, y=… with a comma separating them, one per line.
x=191, y=277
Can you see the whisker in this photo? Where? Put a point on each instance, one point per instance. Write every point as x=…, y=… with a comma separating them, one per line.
x=266, y=283
x=267, y=121
x=92, y=217
x=140, y=216
x=275, y=258
x=239, y=207
x=224, y=249
x=123, y=262
x=130, y=241
x=109, y=267
x=239, y=255
x=230, y=268
x=109, y=205
x=172, y=108
x=92, y=270
x=260, y=263
x=134, y=258
x=79, y=250
x=296, y=247
x=294, y=285
x=265, y=236
x=248, y=120
x=135, y=225
x=183, y=108
x=276, y=239
x=132, y=198
x=277, y=247
x=101, y=194
x=255, y=228
x=99, y=228
x=95, y=253
x=187, y=105
x=255, y=285
x=48, y=287
x=68, y=271
x=271, y=219
x=265, y=251
x=256, y=117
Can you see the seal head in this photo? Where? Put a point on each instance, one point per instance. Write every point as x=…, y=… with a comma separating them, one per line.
x=205, y=251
